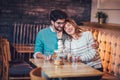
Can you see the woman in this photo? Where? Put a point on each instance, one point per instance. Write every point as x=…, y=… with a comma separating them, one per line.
x=80, y=43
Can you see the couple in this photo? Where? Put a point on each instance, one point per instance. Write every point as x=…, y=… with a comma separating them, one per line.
x=78, y=41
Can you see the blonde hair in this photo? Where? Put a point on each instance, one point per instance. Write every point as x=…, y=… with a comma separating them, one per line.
x=78, y=30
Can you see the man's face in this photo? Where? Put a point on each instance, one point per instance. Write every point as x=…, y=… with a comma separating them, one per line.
x=59, y=24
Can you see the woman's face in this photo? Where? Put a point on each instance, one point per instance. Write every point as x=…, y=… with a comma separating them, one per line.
x=69, y=29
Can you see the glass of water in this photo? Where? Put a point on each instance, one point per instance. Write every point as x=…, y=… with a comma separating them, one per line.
x=74, y=59
x=47, y=57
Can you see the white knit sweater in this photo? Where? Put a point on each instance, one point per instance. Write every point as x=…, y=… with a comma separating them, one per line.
x=83, y=48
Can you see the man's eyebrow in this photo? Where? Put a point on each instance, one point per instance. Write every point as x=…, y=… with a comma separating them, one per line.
x=60, y=22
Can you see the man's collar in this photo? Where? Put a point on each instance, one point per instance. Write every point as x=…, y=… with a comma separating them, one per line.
x=52, y=29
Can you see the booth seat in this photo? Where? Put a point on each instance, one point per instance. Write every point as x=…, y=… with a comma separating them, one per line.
x=109, y=50
x=109, y=45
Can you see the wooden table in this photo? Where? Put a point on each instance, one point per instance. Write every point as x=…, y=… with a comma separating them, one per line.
x=66, y=70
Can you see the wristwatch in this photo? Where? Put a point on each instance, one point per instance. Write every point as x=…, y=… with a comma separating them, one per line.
x=60, y=39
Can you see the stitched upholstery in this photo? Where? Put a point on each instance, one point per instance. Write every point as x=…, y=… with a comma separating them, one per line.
x=20, y=70
x=109, y=49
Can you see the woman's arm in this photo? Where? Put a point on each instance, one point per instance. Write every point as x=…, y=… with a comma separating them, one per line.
x=90, y=51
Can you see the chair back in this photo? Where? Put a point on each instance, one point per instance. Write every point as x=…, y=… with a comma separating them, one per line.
x=24, y=38
x=7, y=47
x=5, y=58
x=8, y=65
x=35, y=74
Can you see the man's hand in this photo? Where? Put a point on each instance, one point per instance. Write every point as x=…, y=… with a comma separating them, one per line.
x=95, y=45
x=40, y=56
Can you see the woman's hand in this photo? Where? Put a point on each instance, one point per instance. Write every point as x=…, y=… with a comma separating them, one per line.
x=59, y=34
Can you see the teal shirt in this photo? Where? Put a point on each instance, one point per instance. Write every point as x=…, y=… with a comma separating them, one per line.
x=46, y=41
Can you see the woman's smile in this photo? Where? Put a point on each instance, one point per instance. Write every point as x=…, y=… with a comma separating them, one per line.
x=69, y=29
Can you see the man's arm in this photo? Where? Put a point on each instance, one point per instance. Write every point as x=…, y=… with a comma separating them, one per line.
x=95, y=45
x=38, y=50
x=38, y=55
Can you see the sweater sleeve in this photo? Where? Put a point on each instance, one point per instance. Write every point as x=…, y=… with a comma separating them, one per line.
x=67, y=46
x=90, y=53
x=38, y=44
x=60, y=44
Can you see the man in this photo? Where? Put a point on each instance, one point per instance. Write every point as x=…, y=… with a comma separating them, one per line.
x=48, y=38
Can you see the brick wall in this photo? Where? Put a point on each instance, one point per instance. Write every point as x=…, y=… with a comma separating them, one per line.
x=37, y=11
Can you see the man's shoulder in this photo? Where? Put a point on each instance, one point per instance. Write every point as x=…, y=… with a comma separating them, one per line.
x=44, y=30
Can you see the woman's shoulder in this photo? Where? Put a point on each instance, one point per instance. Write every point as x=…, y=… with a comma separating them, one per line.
x=86, y=32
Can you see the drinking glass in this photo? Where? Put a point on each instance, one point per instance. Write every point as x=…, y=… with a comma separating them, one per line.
x=74, y=59
x=66, y=51
x=47, y=57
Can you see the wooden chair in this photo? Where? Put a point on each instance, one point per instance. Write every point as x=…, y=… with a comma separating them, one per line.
x=0, y=58
x=4, y=63
x=14, y=70
x=35, y=74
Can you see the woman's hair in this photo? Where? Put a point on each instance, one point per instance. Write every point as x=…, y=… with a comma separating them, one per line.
x=78, y=30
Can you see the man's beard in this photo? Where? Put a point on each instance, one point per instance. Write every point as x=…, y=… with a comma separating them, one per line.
x=58, y=29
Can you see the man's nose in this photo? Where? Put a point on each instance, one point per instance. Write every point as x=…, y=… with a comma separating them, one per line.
x=61, y=25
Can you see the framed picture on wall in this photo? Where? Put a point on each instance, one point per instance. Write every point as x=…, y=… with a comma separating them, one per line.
x=108, y=4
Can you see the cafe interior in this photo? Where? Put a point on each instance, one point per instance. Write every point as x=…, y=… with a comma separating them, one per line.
x=21, y=20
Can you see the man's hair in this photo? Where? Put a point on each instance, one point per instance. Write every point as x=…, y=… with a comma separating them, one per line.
x=57, y=14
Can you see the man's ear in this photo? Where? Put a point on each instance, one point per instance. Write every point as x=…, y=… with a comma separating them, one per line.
x=52, y=22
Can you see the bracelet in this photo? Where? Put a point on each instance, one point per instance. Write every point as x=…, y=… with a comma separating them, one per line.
x=60, y=39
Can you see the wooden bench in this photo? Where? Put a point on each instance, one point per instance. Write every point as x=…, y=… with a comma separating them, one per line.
x=24, y=38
